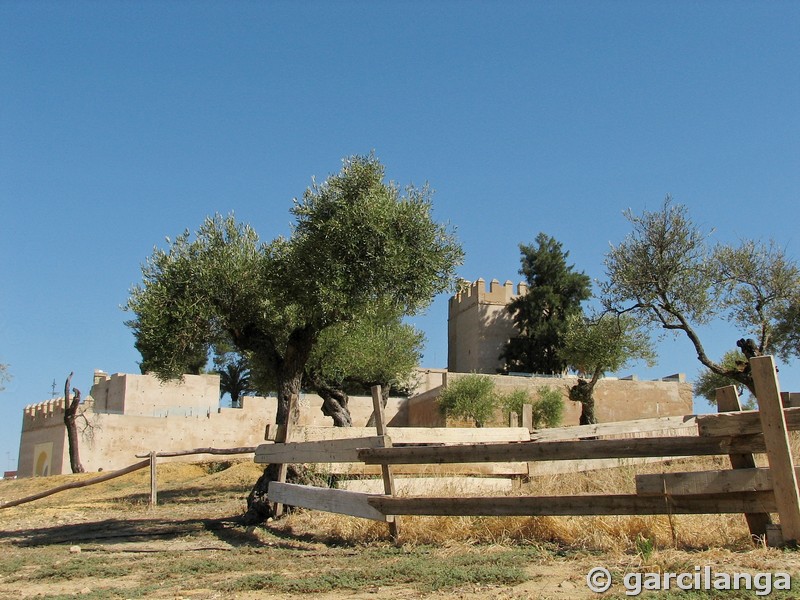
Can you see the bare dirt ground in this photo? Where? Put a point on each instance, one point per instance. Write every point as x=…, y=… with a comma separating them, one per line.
x=104, y=541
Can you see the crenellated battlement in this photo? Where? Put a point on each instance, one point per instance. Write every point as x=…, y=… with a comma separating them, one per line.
x=44, y=411
x=476, y=293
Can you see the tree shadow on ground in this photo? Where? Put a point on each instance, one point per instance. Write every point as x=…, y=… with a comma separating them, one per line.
x=228, y=530
x=187, y=495
x=125, y=530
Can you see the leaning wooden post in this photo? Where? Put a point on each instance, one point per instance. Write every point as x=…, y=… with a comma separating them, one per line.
x=776, y=440
x=386, y=470
x=728, y=401
x=153, y=480
x=282, y=438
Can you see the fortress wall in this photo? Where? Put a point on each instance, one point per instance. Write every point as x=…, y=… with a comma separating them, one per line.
x=615, y=399
x=113, y=439
x=147, y=396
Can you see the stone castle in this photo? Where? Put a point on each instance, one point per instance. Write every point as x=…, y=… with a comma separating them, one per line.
x=128, y=414
x=479, y=326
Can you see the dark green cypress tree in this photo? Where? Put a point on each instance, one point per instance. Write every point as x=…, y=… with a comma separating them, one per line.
x=555, y=291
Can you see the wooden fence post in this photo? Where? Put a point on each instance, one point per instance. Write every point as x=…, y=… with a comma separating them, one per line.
x=728, y=401
x=291, y=423
x=776, y=440
x=527, y=416
x=153, y=480
x=386, y=470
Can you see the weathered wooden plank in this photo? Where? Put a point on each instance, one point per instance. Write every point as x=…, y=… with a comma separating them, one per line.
x=776, y=438
x=566, y=450
x=325, y=451
x=329, y=500
x=538, y=469
x=728, y=401
x=630, y=504
x=527, y=416
x=487, y=469
x=411, y=435
x=741, y=423
x=153, y=479
x=412, y=486
x=576, y=432
x=704, y=482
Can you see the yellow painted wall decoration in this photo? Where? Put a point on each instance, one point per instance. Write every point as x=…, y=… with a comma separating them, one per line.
x=43, y=454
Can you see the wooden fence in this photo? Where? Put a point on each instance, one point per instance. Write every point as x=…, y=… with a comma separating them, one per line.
x=756, y=492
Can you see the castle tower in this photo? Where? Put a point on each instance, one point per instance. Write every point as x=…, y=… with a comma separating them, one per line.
x=479, y=326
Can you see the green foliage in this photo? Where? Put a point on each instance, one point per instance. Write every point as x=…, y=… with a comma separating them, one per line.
x=514, y=400
x=547, y=409
x=708, y=381
x=555, y=292
x=472, y=397
x=758, y=287
x=605, y=343
x=666, y=272
x=375, y=349
x=357, y=243
x=662, y=268
x=645, y=546
x=358, y=240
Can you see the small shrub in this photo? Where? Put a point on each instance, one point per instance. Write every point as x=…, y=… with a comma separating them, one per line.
x=514, y=401
x=471, y=397
x=548, y=410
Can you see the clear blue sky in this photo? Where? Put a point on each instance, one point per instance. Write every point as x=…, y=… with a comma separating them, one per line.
x=125, y=122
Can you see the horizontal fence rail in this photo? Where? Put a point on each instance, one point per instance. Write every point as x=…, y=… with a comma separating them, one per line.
x=755, y=492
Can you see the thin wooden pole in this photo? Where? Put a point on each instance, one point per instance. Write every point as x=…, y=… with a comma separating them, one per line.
x=728, y=401
x=153, y=480
x=776, y=440
x=77, y=484
x=386, y=470
x=294, y=418
x=218, y=451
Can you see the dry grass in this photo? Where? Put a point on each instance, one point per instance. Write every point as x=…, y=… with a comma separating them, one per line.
x=189, y=547
x=231, y=481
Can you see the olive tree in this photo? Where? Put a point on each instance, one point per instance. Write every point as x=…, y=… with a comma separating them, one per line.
x=472, y=397
x=707, y=381
x=351, y=357
x=599, y=344
x=357, y=241
x=667, y=272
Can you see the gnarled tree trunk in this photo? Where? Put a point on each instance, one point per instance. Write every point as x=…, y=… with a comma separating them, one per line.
x=334, y=405
x=70, y=410
x=290, y=379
